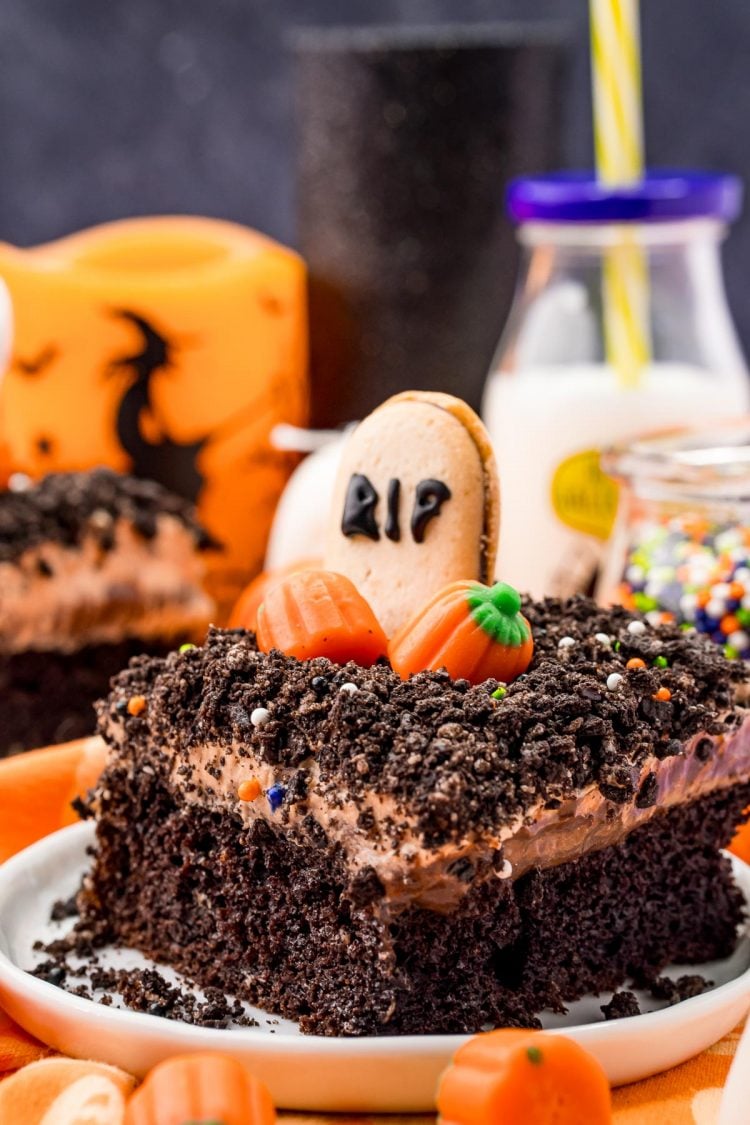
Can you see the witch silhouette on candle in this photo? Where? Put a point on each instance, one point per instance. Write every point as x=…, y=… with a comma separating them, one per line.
x=153, y=453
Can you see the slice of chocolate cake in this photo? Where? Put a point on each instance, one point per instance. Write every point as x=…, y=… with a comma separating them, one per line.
x=376, y=856
x=94, y=568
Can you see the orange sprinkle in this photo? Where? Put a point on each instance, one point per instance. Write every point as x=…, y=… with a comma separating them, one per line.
x=636, y=662
x=663, y=695
x=249, y=790
x=136, y=705
x=702, y=599
x=736, y=591
x=729, y=624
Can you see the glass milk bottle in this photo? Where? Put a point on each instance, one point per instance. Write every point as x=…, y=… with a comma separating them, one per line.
x=552, y=398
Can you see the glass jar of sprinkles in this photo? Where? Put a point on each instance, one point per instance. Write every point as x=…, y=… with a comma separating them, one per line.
x=681, y=547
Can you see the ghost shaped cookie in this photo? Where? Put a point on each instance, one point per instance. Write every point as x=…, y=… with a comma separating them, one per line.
x=416, y=504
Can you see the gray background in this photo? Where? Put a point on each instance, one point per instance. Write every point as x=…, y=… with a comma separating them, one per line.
x=120, y=107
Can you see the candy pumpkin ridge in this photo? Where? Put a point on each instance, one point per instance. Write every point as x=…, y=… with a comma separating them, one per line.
x=497, y=612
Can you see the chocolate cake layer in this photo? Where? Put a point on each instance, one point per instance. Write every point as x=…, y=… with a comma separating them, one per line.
x=49, y=697
x=273, y=916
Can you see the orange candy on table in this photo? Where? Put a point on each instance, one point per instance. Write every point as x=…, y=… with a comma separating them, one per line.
x=65, y=1092
x=475, y=632
x=200, y=1088
x=244, y=615
x=319, y=613
x=518, y=1077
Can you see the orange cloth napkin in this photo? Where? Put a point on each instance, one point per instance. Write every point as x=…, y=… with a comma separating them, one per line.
x=36, y=789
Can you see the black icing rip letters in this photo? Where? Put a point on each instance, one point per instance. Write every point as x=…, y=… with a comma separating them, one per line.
x=431, y=495
x=359, y=508
x=362, y=499
x=392, y=525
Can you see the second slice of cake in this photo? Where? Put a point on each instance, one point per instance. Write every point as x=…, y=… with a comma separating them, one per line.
x=94, y=568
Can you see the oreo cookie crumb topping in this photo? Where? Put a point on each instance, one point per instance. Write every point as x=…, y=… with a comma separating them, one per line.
x=621, y=1006
x=65, y=508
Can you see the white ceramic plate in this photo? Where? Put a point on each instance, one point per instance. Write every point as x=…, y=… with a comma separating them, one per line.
x=394, y=1073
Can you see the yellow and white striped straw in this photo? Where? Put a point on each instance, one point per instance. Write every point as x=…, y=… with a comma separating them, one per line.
x=618, y=140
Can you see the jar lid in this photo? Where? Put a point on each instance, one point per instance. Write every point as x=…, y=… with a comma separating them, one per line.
x=687, y=457
x=578, y=197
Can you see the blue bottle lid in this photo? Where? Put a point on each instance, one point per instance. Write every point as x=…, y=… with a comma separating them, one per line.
x=578, y=197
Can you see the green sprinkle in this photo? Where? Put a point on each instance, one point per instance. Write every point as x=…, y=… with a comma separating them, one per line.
x=645, y=603
x=534, y=1056
x=687, y=627
x=743, y=616
x=731, y=652
x=617, y=646
x=661, y=662
x=499, y=692
x=186, y=648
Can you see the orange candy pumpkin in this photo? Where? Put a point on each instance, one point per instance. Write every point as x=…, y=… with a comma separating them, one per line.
x=244, y=615
x=475, y=632
x=200, y=1088
x=319, y=613
x=513, y=1075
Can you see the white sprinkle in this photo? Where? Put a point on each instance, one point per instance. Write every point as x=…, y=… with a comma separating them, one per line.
x=635, y=574
x=603, y=639
x=727, y=540
x=565, y=642
x=19, y=482
x=349, y=688
x=260, y=716
x=742, y=574
x=739, y=640
x=716, y=609
x=506, y=870
x=720, y=590
x=635, y=628
x=688, y=605
x=613, y=681
x=654, y=617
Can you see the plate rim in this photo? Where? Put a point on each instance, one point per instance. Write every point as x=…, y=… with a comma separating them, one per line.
x=281, y=1042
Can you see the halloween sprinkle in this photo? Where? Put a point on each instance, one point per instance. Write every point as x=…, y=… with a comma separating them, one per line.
x=275, y=796
x=695, y=573
x=136, y=705
x=260, y=716
x=249, y=790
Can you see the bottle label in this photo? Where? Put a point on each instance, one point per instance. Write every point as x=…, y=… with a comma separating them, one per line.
x=583, y=496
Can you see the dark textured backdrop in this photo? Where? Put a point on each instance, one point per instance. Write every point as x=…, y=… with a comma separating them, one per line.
x=121, y=107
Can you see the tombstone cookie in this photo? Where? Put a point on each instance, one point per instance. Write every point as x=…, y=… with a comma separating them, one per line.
x=416, y=504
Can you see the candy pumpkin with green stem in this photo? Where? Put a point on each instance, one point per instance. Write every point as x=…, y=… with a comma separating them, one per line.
x=475, y=632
